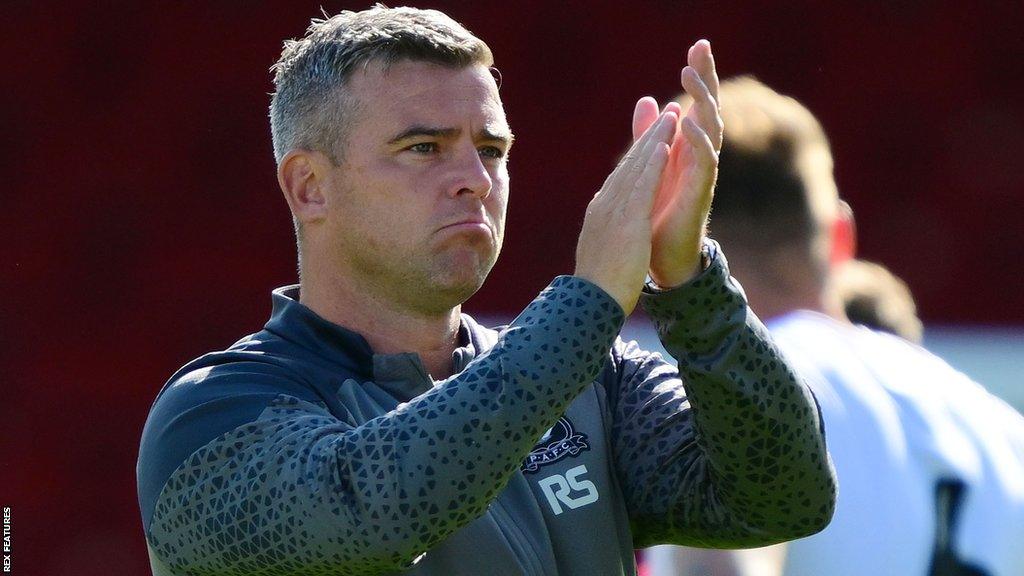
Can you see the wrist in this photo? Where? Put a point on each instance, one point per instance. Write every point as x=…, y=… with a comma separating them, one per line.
x=686, y=271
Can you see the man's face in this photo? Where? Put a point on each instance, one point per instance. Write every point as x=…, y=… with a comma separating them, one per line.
x=416, y=206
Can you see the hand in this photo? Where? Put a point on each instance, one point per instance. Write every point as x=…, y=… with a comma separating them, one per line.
x=683, y=200
x=614, y=248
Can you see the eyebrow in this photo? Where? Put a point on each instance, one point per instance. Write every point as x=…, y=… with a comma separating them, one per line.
x=435, y=132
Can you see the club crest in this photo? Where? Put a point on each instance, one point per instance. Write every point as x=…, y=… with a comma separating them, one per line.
x=561, y=441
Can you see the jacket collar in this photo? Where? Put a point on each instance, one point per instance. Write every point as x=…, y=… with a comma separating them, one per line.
x=296, y=323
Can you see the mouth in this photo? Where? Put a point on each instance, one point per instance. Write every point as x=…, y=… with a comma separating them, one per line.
x=469, y=225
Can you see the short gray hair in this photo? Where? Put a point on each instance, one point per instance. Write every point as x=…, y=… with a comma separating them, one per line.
x=309, y=110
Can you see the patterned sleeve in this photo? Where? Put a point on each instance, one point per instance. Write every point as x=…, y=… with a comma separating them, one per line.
x=737, y=458
x=297, y=491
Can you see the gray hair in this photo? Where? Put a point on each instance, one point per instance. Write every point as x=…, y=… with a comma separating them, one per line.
x=309, y=109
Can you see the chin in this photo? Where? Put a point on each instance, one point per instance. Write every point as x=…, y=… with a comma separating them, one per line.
x=457, y=275
x=453, y=287
x=460, y=290
x=441, y=299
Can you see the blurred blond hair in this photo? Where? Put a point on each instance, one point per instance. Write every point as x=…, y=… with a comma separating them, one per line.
x=875, y=297
x=778, y=140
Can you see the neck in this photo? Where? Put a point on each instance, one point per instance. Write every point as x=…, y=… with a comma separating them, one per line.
x=769, y=307
x=779, y=282
x=388, y=327
x=770, y=303
x=773, y=297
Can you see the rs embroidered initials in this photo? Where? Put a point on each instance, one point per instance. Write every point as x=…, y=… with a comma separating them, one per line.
x=557, y=489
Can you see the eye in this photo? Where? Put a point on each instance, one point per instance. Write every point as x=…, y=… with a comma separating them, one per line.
x=492, y=152
x=423, y=147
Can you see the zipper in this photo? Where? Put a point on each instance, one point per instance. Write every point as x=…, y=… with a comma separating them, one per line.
x=514, y=532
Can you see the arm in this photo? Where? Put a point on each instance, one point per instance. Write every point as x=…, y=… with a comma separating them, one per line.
x=737, y=458
x=293, y=490
x=298, y=491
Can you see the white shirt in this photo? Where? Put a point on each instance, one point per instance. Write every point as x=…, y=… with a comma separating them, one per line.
x=898, y=420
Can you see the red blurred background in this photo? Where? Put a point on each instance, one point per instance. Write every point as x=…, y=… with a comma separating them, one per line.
x=143, y=225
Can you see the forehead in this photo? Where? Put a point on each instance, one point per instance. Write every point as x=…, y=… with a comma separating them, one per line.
x=425, y=94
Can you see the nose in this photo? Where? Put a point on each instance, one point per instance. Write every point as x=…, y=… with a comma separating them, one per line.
x=470, y=175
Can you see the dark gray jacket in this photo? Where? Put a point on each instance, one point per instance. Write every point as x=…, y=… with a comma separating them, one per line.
x=554, y=450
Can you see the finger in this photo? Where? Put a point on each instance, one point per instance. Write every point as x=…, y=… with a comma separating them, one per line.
x=623, y=197
x=656, y=129
x=702, y=60
x=675, y=107
x=645, y=114
x=704, y=105
x=644, y=190
x=703, y=150
x=663, y=132
x=632, y=163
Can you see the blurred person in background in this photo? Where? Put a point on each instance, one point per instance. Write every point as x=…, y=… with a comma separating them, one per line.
x=371, y=428
x=871, y=295
x=930, y=465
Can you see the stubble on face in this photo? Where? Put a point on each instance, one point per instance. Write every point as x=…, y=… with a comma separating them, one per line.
x=393, y=206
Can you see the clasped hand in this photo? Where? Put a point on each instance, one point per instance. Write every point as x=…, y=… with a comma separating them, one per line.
x=651, y=214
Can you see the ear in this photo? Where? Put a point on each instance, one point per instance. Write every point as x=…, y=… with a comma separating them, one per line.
x=844, y=236
x=303, y=176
